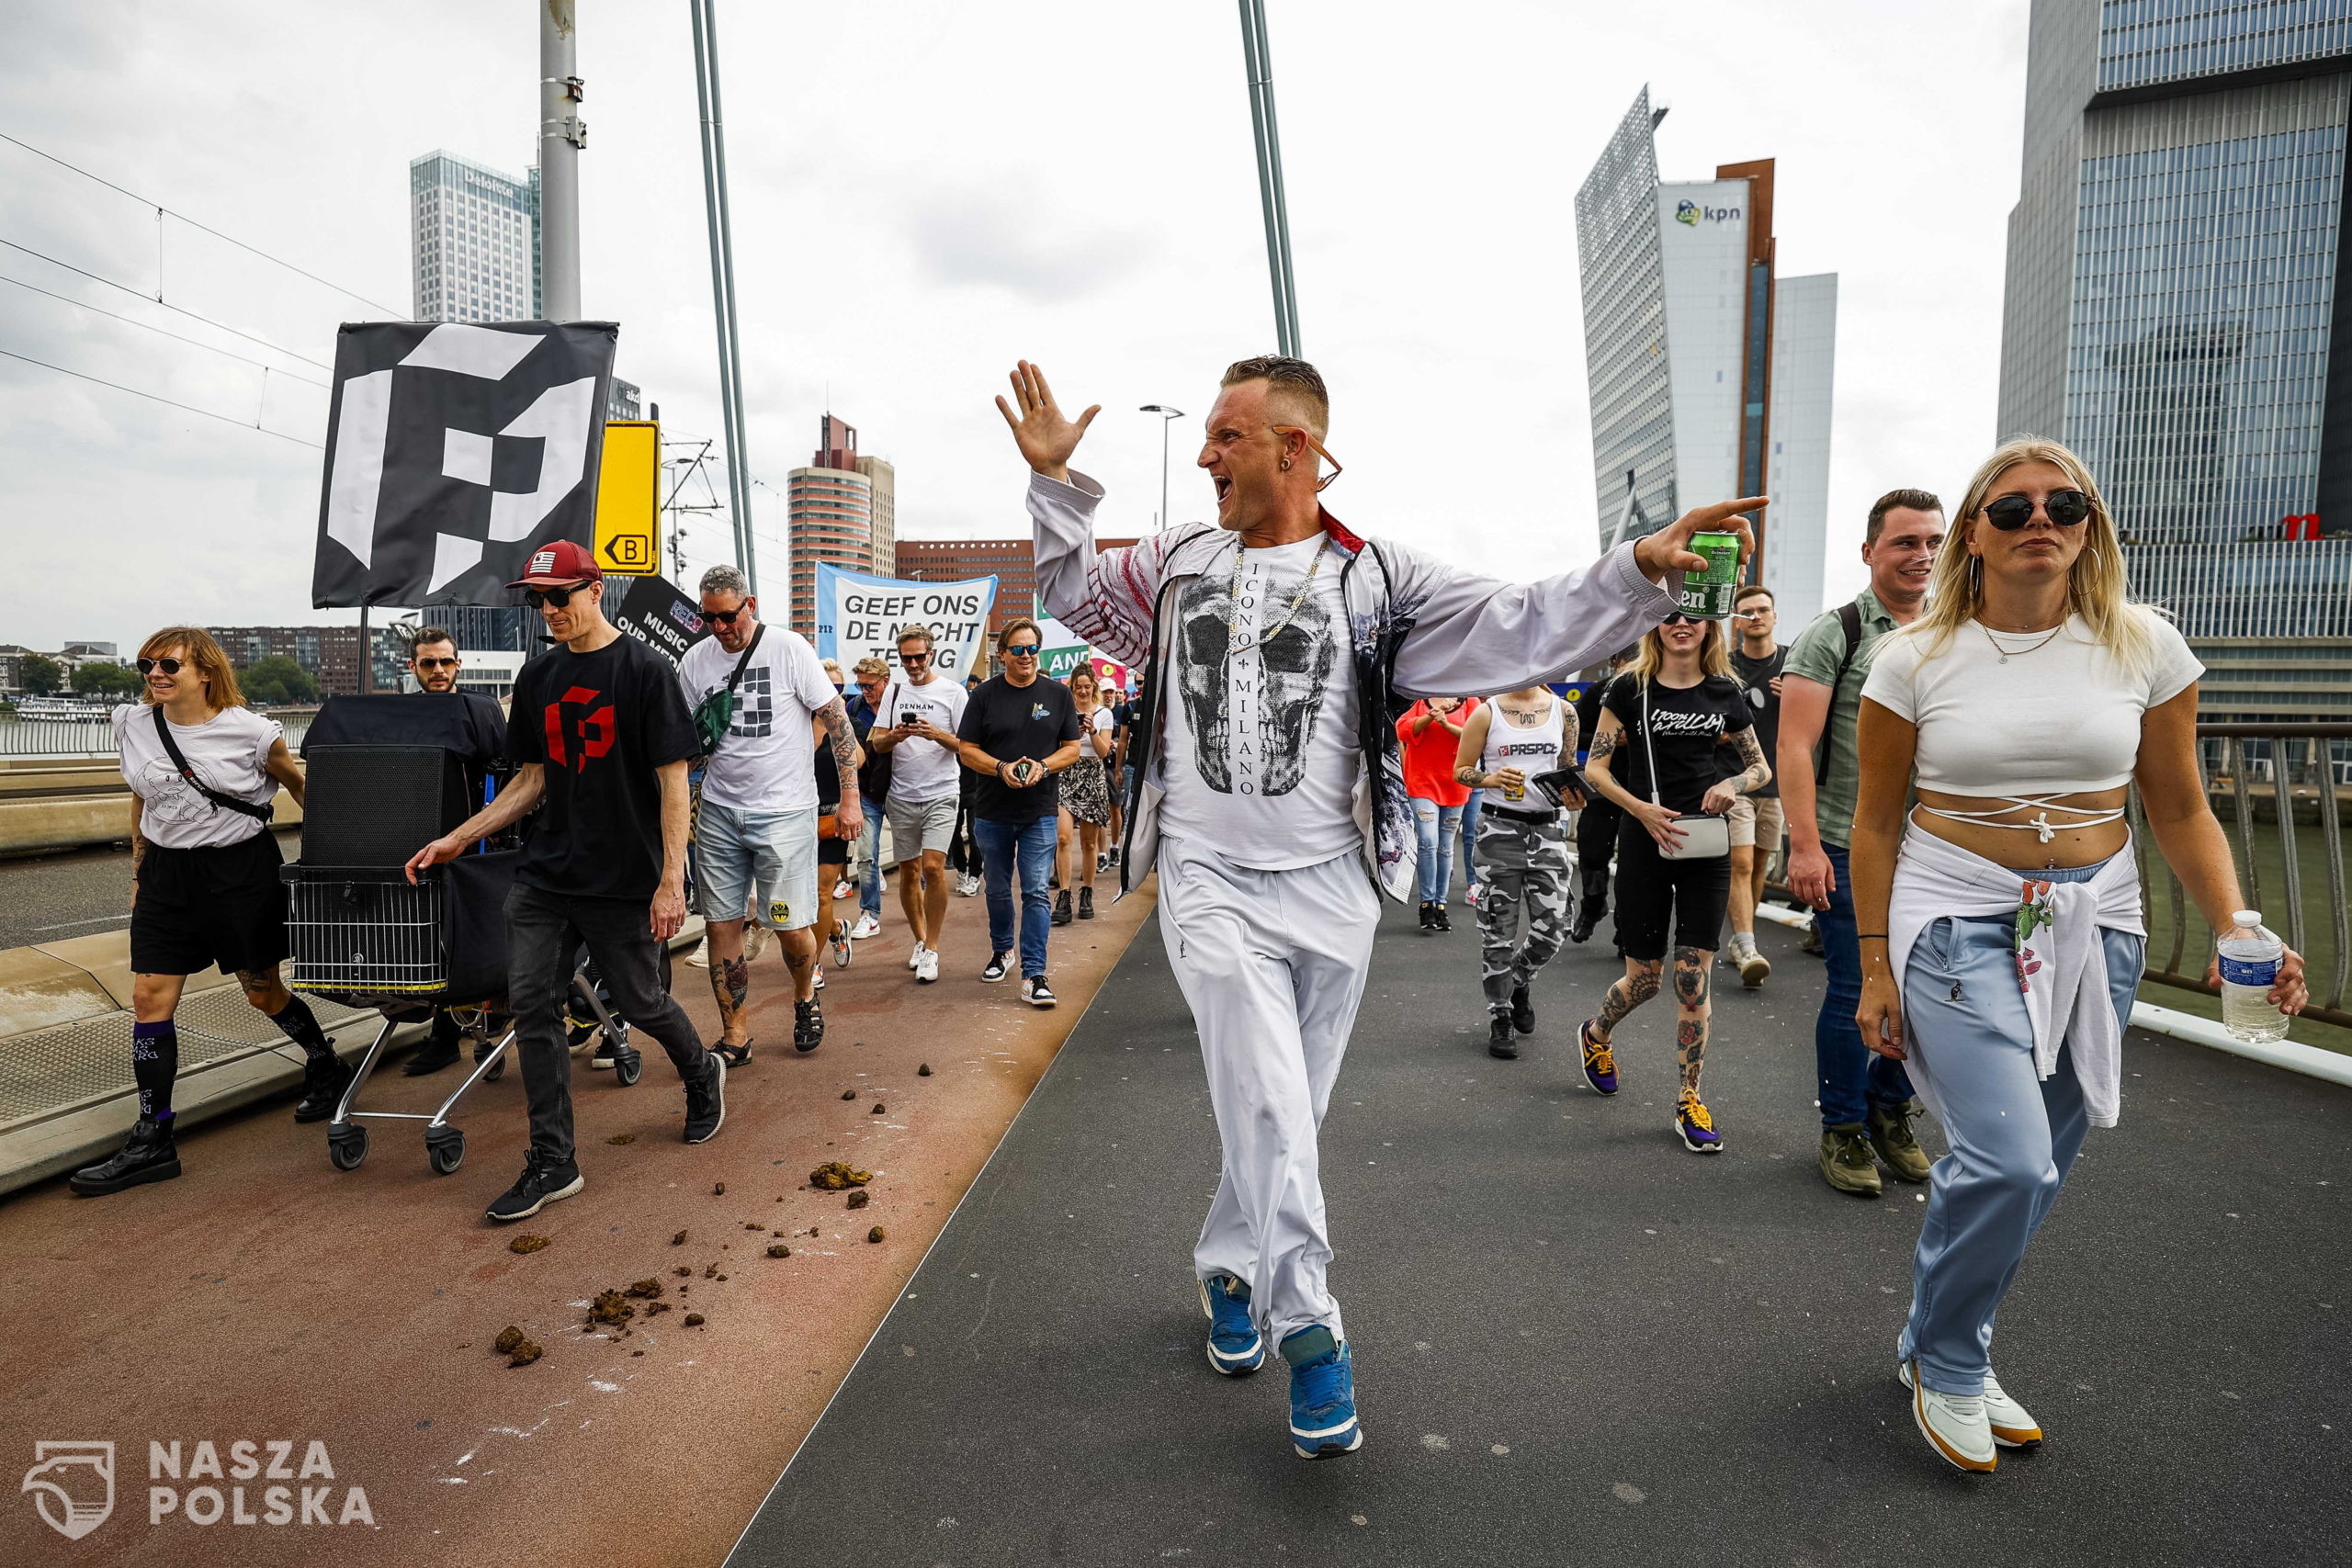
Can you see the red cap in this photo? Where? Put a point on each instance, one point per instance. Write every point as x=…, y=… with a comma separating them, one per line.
x=563, y=562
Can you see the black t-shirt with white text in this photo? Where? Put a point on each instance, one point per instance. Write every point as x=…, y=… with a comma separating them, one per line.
x=1009, y=723
x=1688, y=724
x=1754, y=677
x=599, y=725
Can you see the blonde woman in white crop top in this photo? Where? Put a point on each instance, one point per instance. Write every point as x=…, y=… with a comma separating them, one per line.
x=2000, y=926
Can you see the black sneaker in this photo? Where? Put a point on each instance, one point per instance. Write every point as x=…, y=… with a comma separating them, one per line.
x=1439, y=919
x=323, y=1080
x=999, y=964
x=1428, y=913
x=1501, y=1041
x=1086, y=903
x=808, y=1026
x=1523, y=1010
x=545, y=1180
x=148, y=1155
x=1035, y=992
x=1061, y=908
x=432, y=1056
x=707, y=1102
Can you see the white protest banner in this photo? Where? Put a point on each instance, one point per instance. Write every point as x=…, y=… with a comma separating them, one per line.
x=859, y=616
x=1061, y=651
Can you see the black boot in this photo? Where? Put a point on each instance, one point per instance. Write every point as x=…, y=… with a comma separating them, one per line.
x=1086, y=903
x=1523, y=1010
x=1061, y=908
x=440, y=1052
x=1587, y=917
x=323, y=1080
x=1439, y=919
x=1500, y=1042
x=149, y=1154
x=1428, y=916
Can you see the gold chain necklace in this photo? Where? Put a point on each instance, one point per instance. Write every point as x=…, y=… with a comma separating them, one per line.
x=1233, y=596
x=2006, y=652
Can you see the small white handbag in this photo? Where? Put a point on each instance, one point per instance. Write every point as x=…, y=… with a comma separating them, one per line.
x=1705, y=836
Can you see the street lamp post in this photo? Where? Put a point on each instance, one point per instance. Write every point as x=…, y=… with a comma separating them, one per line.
x=1167, y=417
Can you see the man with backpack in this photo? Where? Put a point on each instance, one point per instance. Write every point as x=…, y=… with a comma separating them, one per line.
x=1865, y=1099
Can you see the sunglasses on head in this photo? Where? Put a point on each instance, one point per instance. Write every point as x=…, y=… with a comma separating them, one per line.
x=2064, y=507
x=551, y=598
x=437, y=663
x=168, y=666
x=726, y=617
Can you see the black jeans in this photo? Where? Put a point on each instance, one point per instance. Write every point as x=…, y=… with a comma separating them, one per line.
x=1596, y=840
x=543, y=933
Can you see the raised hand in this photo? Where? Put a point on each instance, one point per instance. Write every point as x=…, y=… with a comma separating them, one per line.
x=1045, y=437
x=1669, y=549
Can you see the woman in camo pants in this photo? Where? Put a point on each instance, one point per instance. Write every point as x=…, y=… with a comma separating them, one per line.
x=1521, y=852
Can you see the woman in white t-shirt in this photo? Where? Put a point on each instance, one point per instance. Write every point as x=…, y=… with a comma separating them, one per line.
x=205, y=887
x=1086, y=798
x=2001, y=932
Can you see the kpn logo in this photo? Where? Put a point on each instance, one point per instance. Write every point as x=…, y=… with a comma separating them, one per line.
x=1693, y=213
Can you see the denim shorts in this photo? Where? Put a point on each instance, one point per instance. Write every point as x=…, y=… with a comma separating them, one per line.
x=773, y=854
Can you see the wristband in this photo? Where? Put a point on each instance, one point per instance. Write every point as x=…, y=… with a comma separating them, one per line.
x=1869, y=936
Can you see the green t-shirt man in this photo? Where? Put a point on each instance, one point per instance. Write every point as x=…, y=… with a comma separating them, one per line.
x=1814, y=656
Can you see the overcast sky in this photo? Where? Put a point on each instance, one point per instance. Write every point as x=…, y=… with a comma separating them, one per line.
x=924, y=191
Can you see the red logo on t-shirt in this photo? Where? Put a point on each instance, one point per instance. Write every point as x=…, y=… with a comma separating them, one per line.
x=596, y=729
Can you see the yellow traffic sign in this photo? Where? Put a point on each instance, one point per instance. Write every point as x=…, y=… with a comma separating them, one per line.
x=629, y=499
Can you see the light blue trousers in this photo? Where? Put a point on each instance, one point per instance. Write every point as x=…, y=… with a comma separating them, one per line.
x=2013, y=1136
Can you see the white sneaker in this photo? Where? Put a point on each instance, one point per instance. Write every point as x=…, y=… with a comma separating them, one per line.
x=2012, y=1427
x=867, y=926
x=842, y=890
x=914, y=959
x=1754, y=967
x=969, y=887
x=927, y=969
x=1955, y=1425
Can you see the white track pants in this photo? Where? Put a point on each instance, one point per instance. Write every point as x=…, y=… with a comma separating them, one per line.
x=1273, y=963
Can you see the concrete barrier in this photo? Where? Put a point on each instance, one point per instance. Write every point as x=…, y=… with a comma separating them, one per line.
x=64, y=812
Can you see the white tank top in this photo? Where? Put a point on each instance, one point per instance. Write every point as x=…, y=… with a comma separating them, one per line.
x=1532, y=751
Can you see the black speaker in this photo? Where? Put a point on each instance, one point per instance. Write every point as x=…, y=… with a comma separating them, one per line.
x=376, y=806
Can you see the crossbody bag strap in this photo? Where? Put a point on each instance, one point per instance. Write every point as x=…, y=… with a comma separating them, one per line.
x=1649, y=747
x=219, y=801
x=749, y=649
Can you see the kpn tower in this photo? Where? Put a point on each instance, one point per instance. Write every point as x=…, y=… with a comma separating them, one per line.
x=1710, y=373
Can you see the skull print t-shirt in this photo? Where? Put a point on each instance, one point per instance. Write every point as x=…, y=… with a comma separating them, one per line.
x=1262, y=757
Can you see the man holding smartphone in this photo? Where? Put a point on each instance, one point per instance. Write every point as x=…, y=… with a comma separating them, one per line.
x=916, y=729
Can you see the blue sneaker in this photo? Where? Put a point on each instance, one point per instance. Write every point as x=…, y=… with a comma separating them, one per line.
x=1236, y=1349
x=1323, y=1422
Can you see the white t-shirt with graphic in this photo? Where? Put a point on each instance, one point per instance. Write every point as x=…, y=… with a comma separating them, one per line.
x=227, y=752
x=919, y=769
x=1262, y=757
x=766, y=761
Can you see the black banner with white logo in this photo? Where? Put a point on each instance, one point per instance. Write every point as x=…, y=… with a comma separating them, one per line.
x=657, y=614
x=453, y=450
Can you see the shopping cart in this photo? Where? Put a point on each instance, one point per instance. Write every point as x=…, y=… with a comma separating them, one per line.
x=368, y=938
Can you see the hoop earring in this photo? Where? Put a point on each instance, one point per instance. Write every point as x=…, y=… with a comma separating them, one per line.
x=1286, y=465
x=1975, y=577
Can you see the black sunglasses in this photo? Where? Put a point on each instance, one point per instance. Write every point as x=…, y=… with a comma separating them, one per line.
x=554, y=597
x=1679, y=619
x=914, y=659
x=726, y=617
x=168, y=666
x=2064, y=507
x=436, y=664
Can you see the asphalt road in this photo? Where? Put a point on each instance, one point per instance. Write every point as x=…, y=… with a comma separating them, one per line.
x=1576, y=1343
x=50, y=897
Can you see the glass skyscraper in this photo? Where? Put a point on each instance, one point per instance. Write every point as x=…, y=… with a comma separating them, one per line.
x=2171, y=308
x=477, y=241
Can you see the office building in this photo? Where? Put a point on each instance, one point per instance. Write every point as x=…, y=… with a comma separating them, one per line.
x=331, y=654
x=1010, y=561
x=477, y=241
x=2171, y=307
x=489, y=628
x=1697, y=394
x=882, y=489
x=828, y=508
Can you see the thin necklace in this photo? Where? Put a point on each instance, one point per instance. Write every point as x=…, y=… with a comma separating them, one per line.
x=1233, y=597
x=2005, y=653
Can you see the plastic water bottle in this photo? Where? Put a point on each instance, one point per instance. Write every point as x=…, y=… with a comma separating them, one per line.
x=2250, y=955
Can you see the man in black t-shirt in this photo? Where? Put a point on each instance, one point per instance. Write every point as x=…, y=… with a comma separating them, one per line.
x=1017, y=732
x=601, y=739
x=1756, y=819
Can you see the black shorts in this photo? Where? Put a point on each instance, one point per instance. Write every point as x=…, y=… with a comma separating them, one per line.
x=830, y=849
x=1653, y=892
x=221, y=906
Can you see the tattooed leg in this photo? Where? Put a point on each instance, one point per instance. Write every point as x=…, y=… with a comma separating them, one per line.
x=801, y=957
x=730, y=980
x=1692, y=966
x=1638, y=985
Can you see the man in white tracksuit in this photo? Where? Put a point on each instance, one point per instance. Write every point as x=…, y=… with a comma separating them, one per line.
x=1277, y=647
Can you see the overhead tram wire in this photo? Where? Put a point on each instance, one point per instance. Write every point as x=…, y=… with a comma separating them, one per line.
x=207, y=228
x=193, y=343
x=135, y=294
x=155, y=397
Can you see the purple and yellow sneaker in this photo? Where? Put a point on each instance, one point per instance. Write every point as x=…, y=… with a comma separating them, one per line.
x=1696, y=1127
x=1599, y=1062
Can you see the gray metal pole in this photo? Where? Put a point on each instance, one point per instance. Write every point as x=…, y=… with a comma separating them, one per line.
x=562, y=135
x=1258, y=59
x=742, y=464
x=1163, y=470
x=722, y=283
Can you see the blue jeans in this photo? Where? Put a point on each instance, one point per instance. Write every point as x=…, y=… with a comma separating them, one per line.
x=1851, y=1075
x=1470, y=841
x=1435, y=826
x=2013, y=1134
x=869, y=881
x=1030, y=847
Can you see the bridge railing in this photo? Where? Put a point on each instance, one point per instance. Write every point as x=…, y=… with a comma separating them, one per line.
x=2279, y=791
x=66, y=739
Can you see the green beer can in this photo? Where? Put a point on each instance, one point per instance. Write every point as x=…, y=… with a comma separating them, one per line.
x=1709, y=595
